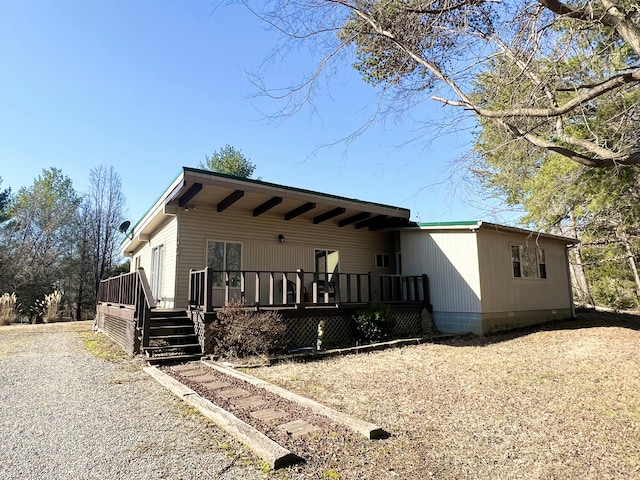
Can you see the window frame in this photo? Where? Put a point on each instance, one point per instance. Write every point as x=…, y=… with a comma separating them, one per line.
x=523, y=263
x=383, y=264
x=234, y=280
x=326, y=275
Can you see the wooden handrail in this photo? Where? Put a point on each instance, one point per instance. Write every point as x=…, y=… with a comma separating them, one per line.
x=130, y=290
x=299, y=288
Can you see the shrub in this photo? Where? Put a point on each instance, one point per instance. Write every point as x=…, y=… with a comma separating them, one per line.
x=374, y=323
x=47, y=309
x=240, y=333
x=8, y=308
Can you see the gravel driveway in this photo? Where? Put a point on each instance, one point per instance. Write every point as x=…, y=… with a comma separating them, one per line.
x=65, y=413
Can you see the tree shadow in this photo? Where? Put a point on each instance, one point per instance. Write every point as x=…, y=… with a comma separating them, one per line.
x=585, y=318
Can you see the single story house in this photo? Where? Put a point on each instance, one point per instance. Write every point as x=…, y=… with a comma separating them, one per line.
x=212, y=238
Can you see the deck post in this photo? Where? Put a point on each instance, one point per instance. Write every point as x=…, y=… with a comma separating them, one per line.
x=299, y=288
x=242, y=287
x=376, y=294
x=271, y=288
x=257, y=296
x=226, y=287
x=208, y=290
x=284, y=288
x=425, y=292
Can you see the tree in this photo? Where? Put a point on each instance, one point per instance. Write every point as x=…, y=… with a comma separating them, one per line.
x=102, y=211
x=541, y=49
x=229, y=161
x=598, y=207
x=5, y=201
x=40, y=236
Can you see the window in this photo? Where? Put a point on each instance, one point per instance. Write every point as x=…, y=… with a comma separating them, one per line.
x=528, y=261
x=383, y=260
x=327, y=264
x=225, y=257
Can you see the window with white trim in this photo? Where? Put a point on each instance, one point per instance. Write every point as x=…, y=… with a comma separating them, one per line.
x=225, y=257
x=528, y=261
x=383, y=260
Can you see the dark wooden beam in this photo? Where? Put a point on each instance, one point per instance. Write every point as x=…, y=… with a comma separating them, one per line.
x=230, y=200
x=370, y=221
x=189, y=194
x=330, y=214
x=266, y=206
x=353, y=218
x=304, y=208
x=393, y=222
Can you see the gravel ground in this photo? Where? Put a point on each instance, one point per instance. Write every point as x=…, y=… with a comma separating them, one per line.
x=65, y=413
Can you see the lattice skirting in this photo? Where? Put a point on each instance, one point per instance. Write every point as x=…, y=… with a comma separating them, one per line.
x=121, y=330
x=336, y=330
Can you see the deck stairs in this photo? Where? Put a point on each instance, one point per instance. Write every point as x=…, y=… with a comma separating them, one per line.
x=172, y=338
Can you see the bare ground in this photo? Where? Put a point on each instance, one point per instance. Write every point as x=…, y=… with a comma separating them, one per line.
x=557, y=401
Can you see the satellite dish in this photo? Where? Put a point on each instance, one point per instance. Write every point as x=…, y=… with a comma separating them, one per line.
x=124, y=226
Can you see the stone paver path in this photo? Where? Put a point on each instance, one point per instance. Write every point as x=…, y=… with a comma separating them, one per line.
x=244, y=399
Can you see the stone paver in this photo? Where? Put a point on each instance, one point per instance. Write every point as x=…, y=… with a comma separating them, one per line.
x=192, y=373
x=268, y=414
x=247, y=402
x=298, y=428
x=184, y=367
x=232, y=393
x=215, y=385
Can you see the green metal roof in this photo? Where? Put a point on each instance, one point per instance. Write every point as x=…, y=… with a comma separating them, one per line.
x=464, y=223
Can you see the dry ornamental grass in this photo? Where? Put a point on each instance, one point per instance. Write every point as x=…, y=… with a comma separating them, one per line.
x=554, y=403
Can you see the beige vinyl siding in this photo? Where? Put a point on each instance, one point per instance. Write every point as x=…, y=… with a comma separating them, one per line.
x=450, y=259
x=502, y=292
x=166, y=235
x=261, y=249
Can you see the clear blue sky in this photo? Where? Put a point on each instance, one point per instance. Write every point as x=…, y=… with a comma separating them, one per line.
x=151, y=86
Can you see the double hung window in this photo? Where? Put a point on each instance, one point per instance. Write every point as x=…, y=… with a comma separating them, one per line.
x=528, y=261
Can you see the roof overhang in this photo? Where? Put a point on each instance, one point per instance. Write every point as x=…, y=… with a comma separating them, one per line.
x=476, y=225
x=194, y=188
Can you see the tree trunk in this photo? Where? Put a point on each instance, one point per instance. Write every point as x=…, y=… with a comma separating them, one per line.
x=579, y=277
x=632, y=263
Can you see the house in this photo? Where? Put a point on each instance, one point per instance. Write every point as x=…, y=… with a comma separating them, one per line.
x=232, y=224
x=487, y=277
x=212, y=238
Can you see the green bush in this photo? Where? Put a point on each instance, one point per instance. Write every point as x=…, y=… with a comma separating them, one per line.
x=241, y=333
x=374, y=323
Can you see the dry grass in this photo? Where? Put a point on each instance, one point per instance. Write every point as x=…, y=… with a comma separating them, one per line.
x=559, y=403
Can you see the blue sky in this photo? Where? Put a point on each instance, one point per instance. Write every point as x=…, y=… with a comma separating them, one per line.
x=151, y=86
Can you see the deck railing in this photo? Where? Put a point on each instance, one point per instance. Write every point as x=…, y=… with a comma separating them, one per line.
x=210, y=289
x=130, y=290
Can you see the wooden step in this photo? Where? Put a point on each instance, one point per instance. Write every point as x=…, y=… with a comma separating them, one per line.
x=174, y=359
x=168, y=338
x=172, y=346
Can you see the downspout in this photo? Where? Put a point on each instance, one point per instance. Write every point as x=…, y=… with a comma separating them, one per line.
x=568, y=267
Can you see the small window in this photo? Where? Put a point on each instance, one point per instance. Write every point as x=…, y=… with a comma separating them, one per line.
x=382, y=260
x=528, y=261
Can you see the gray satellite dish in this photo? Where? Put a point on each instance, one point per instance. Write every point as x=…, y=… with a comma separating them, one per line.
x=124, y=226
